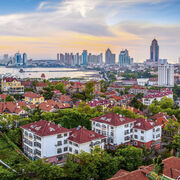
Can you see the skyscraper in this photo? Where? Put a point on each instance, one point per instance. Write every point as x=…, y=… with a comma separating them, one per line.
x=109, y=57
x=166, y=75
x=154, y=51
x=124, y=58
x=24, y=58
x=57, y=56
x=84, y=56
x=17, y=58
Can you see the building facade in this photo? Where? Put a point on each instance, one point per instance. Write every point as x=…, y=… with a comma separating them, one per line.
x=166, y=75
x=109, y=57
x=124, y=58
x=154, y=51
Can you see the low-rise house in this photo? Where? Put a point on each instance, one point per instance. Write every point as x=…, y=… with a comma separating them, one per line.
x=33, y=98
x=11, y=85
x=15, y=108
x=171, y=171
x=76, y=87
x=3, y=97
x=111, y=93
x=40, y=86
x=147, y=100
x=142, y=81
x=99, y=102
x=114, y=87
x=65, y=99
x=81, y=139
x=136, y=89
x=153, y=82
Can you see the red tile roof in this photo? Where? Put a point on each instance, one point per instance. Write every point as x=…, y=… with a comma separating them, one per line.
x=32, y=95
x=9, y=79
x=171, y=170
x=45, y=128
x=82, y=135
x=113, y=119
x=145, y=124
x=3, y=96
x=64, y=98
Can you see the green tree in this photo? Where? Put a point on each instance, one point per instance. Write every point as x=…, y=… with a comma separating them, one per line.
x=97, y=165
x=9, y=98
x=176, y=143
x=166, y=103
x=154, y=109
x=89, y=90
x=132, y=157
x=48, y=92
x=60, y=86
x=16, y=136
x=158, y=165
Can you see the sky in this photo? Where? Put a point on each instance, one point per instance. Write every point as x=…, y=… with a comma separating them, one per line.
x=43, y=28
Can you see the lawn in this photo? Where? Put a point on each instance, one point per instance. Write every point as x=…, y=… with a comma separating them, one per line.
x=9, y=155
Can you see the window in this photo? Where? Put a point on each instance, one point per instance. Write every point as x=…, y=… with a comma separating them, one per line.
x=75, y=144
x=30, y=135
x=112, y=134
x=135, y=136
x=59, y=136
x=37, y=137
x=76, y=151
x=70, y=149
x=158, y=129
x=142, y=132
x=65, y=149
x=135, y=130
x=98, y=125
x=126, y=138
x=103, y=126
x=59, y=150
x=37, y=152
x=111, y=141
x=26, y=133
x=126, y=125
x=126, y=132
x=65, y=134
x=37, y=144
x=65, y=141
x=158, y=142
x=59, y=143
x=158, y=135
x=70, y=142
x=112, y=127
x=131, y=130
x=142, y=138
x=104, y=133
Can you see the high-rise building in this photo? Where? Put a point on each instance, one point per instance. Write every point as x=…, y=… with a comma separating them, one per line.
x=84, y=56
x=24, y=58
x=154, y=51
x=109, y=57
x=58, y=57
x=166, y=75
x=124, y=58
x=17, y=58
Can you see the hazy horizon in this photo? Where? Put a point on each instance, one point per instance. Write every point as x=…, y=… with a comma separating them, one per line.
x=44, y=28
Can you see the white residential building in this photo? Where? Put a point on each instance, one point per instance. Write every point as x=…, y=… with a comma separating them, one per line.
x=117, y=129
x=121, y=130
x=147, y=133
x=147, y=100
x=44, y=139
x=82, y=139
x=166, y=75
x=142, y=81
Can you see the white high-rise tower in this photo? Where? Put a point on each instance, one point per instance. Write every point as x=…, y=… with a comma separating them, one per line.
x=166, y=75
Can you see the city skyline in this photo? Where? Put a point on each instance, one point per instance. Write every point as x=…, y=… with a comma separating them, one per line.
x=45, y=28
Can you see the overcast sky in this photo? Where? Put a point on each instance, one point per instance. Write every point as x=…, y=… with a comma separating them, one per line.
x=43, y=28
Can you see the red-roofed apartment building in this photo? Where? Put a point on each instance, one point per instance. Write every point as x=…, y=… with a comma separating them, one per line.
x=44, y=139
x=121, y=130
x=82, y=139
